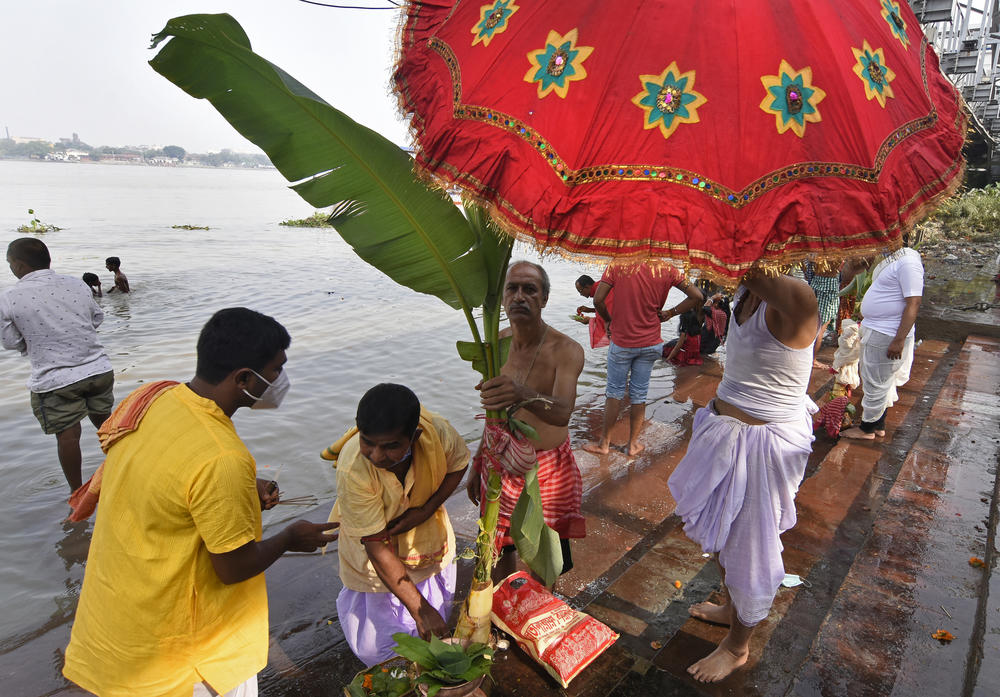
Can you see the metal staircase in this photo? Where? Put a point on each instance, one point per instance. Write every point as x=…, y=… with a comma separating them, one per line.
x=967, y=37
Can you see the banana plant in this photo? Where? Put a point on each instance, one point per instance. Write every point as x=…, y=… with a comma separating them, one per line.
x=412, y=233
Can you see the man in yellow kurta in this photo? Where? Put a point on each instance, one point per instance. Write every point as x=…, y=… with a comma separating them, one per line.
x=396, y=542
x=173, y=601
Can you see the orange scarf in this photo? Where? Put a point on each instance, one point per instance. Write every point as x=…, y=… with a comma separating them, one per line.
x=123, y=421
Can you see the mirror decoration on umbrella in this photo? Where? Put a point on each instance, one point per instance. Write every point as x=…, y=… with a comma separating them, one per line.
x=716, y=135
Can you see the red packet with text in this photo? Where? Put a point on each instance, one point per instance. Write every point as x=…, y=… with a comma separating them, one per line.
x=563, y=640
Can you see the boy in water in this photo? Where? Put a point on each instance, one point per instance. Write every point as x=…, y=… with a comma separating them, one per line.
x=114, y=265
x=93, y=282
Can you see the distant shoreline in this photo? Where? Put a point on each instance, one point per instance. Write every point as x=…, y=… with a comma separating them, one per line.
x=118, y=163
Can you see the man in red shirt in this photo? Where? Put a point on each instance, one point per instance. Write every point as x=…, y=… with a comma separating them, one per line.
x=587, y=287
x=641, y=290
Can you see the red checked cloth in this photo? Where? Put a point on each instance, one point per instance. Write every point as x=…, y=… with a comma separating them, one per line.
x=562, y=493
x=831, y=416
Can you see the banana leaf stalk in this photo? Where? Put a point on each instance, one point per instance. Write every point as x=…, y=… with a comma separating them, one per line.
x=412, y=233
x=474, y=620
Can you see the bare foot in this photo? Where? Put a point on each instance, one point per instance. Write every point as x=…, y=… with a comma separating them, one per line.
x=855, y=433
x=597, y=448
x=635, y=448
x=717, y=665
x=710, y=612
x=820, y=364
x=880, y=434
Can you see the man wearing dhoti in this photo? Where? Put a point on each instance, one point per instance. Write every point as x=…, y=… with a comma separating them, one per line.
x=394, y=473
x=538, y=382
x=889, y=311
x=735, y=488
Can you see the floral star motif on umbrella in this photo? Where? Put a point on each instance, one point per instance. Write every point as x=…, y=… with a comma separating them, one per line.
x=792, y=98
x=874, y=74
x=669, y=99
x=892, y=16
x=493, y=19
x=558, y=64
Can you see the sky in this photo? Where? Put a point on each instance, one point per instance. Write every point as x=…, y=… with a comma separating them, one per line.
x=81, y=67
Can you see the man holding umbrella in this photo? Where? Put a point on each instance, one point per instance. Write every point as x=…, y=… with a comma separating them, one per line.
x=735, y=487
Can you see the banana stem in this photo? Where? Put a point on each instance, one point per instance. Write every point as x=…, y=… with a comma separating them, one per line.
x=474, y=620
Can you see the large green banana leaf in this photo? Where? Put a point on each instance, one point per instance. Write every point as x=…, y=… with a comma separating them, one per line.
x=413, y=234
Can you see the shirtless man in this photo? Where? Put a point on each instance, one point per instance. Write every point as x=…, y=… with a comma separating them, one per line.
x=735, y=487
x=542, y=363
x=114, y=265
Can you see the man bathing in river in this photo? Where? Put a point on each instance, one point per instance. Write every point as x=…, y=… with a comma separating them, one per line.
x=53, y=320
x=735, y=488
x=538, y=382
x=114, y=265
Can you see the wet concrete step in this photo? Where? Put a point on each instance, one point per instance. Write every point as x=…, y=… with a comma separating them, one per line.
x=845, y=485
x=636, y=550
x=912, y=576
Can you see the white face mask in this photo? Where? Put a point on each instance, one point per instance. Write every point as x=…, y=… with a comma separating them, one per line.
x=275, y=392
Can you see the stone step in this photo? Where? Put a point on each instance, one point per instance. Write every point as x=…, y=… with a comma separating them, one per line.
x=636, y=550
x=912, y=576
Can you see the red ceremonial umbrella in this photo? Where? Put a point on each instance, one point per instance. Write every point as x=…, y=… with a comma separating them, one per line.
x=718, y=134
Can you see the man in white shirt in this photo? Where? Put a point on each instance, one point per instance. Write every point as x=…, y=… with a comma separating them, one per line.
x=53, y=320
x=889, y=309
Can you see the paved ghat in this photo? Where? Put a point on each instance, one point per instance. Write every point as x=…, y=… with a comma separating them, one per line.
x=885, y=533
x=884, y=537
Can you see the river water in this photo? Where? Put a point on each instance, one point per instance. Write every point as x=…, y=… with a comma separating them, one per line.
x=351, y=328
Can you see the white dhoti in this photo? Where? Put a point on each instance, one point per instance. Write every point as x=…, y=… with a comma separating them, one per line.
x=735, y=491
x=880, y=376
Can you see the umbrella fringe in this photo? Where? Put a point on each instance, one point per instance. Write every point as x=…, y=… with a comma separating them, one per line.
x=699, y=267
x=827, y=261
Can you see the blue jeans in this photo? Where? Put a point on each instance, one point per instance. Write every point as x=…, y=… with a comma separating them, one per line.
x=632, y=365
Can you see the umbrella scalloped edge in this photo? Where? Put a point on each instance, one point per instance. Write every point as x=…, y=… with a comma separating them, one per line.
x=774, y=257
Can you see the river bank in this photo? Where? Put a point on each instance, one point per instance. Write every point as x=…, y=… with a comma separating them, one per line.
x=350, y=327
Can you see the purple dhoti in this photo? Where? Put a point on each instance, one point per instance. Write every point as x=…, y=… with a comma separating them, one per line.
x=370, y=619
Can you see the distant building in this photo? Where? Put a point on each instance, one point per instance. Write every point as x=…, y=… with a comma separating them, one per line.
x=20, y=140
x=121, y=157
